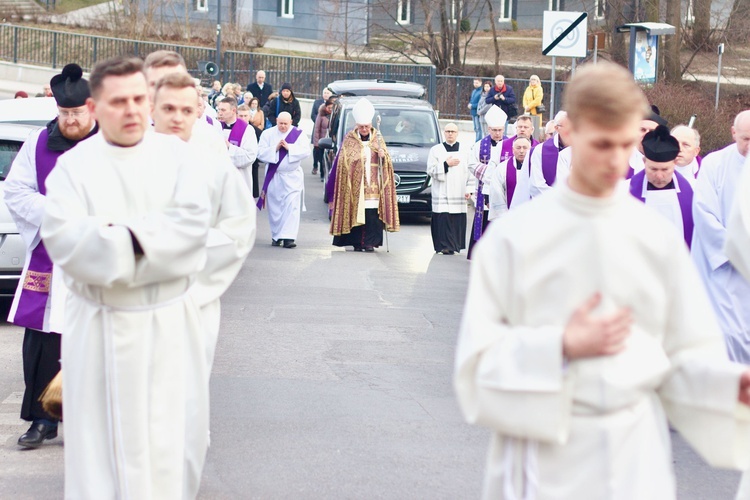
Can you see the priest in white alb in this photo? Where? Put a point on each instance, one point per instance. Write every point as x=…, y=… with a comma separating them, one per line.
x=659, y=185
x=544, y=165
x=282, y=148
x=504, y=179
x=715, y=192
x=688, y=161
x=580, y=343
x=126, y=220
x=451, y=188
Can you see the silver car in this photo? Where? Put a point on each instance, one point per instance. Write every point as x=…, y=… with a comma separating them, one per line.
x=18, y=119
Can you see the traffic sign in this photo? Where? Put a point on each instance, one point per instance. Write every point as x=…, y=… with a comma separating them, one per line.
x=564, y=34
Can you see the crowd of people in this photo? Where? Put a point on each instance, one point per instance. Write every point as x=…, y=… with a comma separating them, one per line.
x=602, y=258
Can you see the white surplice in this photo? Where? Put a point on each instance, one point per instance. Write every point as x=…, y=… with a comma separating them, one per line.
x=714, y=195
x=134, y=353
x=231, y=235
x=244, y=155
x=592, y=428
x=449, y=188
x=499, y=189
x=737, y=244
x=666, y=202
x=689, y=171
x=26, y=206
x=285, y=196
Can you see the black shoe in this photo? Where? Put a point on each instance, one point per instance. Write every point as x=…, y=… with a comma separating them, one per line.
x=289, y=244
x=276, y=243
x=358, y=249
x=36, y=434
x=369, y=249
x=447, y=252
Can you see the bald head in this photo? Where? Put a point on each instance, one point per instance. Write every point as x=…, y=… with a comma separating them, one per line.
x=284, y=122
x=451, y=133
x=741, y=132
x=690, y=144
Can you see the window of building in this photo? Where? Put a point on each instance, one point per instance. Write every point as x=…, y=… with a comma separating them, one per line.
x=403, y=16
x=506, y=10
x=599, y=8
x=287, y=8
x=555, y=5
x=201, y=5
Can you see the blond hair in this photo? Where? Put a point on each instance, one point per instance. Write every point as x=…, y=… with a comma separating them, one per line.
x=175, y=81
x=164, y=58
x=604, y=94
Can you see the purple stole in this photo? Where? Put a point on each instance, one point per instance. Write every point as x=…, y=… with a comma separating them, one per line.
x=237, y=132
x=37, y=282
x=510, y=179
x=684, y=196
x=273, y=167
x=485, y=148
x=549, y=161
x=210, y=120
x=507, y=150
x=699, y=160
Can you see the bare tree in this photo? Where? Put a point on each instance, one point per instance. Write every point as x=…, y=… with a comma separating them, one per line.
x=702, y=31
x=495, y=41
x=435, y=33
x=346, y=25
x=673, y=43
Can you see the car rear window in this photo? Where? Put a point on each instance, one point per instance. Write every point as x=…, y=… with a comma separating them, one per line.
x=406, y=127
x=8, y=152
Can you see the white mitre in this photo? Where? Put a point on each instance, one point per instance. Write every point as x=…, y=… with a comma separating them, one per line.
x=495, y=117
x=363, y=112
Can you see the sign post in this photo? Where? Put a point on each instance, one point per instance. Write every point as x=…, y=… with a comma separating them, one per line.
x=564, y=35
x=718, y=78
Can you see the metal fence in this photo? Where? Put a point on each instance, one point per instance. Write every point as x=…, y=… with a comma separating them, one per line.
x=454, y=93
x=309, y=76
x=449, y=94
x=21, y=44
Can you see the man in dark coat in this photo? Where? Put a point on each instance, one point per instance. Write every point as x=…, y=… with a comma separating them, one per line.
x=260, y=88
x=502, y=95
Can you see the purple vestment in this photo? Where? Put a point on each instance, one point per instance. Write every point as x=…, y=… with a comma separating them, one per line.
x=684, y=196
x=510, y=179
x=485, y=148
x=37, y=281
x=273, y=167
x=237, y=132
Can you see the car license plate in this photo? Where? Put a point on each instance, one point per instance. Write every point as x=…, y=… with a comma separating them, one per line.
x=403, y=198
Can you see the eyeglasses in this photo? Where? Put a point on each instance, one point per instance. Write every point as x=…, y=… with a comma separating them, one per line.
x=74, y=114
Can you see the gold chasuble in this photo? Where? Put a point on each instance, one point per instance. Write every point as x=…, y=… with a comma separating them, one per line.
x=352, y=189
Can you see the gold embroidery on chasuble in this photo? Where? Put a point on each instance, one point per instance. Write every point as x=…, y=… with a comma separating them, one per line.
x=37, y=282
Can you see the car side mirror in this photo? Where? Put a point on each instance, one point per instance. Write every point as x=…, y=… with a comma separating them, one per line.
x=325, y=143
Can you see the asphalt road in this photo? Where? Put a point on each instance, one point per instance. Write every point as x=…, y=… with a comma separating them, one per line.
x=331, y=380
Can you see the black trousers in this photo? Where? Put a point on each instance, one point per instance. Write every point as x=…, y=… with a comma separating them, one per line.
x=256, y=187
x=369, y=235
x=41, y=362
